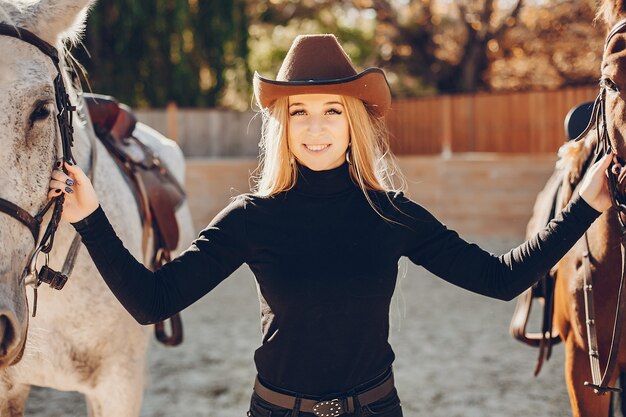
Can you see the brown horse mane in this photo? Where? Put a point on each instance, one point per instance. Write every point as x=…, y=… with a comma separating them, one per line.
x=610, y=12
x=572, y=160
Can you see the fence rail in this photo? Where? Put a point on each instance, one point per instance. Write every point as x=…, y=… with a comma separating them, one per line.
x=528, y=122
x=524, y=122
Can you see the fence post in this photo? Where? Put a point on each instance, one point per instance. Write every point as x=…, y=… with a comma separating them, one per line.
x=172, y=120
x=446, y=131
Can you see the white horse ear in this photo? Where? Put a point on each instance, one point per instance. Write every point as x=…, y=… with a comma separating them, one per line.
x=51, y=20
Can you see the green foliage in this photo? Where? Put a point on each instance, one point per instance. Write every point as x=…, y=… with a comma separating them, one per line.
x=149, y=53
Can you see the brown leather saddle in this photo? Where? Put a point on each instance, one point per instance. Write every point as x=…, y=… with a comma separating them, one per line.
x=575, y=124
x=543, y=290
x=157, y=192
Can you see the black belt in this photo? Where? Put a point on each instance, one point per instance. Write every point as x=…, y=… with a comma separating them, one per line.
x=326, y=408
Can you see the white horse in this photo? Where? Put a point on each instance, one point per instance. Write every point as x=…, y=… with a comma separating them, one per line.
x=81, y=339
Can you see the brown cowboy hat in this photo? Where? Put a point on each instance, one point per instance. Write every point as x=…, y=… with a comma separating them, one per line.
x=317, y=64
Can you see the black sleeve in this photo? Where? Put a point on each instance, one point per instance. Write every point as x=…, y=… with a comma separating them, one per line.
x=446, y=255
x=154, y=296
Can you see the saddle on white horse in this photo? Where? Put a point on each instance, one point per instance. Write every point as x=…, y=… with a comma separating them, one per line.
x=157, y=192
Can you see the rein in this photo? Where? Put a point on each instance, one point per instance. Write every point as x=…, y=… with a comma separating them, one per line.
x=617, y=183
x=65, y=111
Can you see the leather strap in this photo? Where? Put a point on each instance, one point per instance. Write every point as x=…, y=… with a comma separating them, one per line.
x=21, y=215
x=617, y=28
x=346, y=404
x=600, y=380
x=29, y=37
x=64, y=106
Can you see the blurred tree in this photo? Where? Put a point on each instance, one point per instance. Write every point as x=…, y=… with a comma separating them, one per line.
x=199, y=52
x=554, y=45
x=413, y=36
x=434, y=46
x=420, y=44
x=149, y=53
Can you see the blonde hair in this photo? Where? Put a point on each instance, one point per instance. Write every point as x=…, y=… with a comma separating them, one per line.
x=372, y=167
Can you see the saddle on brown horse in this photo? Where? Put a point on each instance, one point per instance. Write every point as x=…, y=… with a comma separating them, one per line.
x=548, y=203
x=157, y=192
x=543, y=290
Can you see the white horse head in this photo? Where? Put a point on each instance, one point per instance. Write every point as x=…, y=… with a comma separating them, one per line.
x=70, y=345
x=29, y=143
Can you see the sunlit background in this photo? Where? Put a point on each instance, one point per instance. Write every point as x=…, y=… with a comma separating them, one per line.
x=203, y=53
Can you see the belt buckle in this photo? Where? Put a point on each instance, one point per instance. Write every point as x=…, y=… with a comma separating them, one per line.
x=330, y=408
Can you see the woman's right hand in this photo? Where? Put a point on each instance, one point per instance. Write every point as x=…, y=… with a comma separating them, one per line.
x=80, y=197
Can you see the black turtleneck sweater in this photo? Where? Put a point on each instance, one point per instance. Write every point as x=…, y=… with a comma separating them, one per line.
x=326, y=264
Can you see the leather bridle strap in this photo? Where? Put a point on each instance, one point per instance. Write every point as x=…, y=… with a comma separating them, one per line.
x=601, y=380
x=64, y=106
x=64, y=121
x=65, y=112
x=21, y=215
x=617, y=28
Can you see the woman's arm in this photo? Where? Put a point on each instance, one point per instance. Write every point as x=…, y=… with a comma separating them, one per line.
x=153, y=296
x=445, y=254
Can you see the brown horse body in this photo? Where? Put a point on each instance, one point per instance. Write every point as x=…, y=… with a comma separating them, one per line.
x=603, y=237
x=569, y=319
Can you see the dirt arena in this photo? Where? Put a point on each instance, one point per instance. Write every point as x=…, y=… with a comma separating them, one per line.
x=455, y=357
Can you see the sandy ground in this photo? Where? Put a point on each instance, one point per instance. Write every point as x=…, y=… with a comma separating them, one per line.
x=454, y=357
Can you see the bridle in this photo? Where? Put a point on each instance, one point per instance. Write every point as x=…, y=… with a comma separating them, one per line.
x=34, y=223
x=617, y=185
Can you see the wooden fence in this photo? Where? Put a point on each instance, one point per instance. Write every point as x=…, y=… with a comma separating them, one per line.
x=525, y=122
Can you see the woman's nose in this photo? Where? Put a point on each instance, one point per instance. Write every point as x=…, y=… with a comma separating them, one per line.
x=315, y=125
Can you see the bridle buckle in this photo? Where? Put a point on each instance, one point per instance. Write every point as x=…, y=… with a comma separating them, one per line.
x=329, y=408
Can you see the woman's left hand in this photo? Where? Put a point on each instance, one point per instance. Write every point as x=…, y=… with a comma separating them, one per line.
x=595, y=188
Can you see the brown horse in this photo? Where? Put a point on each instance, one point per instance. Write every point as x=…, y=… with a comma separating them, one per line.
x=604, y=238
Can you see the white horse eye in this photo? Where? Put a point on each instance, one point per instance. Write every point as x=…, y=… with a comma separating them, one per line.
x=41, y=112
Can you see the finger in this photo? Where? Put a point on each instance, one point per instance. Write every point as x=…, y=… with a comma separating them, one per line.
x=606, y=161
x=62, y=177
x=54, y=192
x=55, y=184
x=76, y=171
x=602, y=164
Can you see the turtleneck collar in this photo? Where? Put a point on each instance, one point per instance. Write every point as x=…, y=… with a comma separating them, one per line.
x=324, y=183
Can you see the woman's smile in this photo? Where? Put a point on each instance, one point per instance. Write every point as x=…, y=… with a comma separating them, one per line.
x=316, y=148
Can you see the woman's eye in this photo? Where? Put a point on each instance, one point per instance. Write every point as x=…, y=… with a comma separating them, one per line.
x=41, y=112
x=609, y=85
x=334, y=111
x=297, y=113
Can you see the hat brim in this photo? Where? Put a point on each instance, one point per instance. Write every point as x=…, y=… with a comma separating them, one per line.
x=370, y=86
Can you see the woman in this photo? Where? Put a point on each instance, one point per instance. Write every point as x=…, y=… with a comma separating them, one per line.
x=323, y=233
